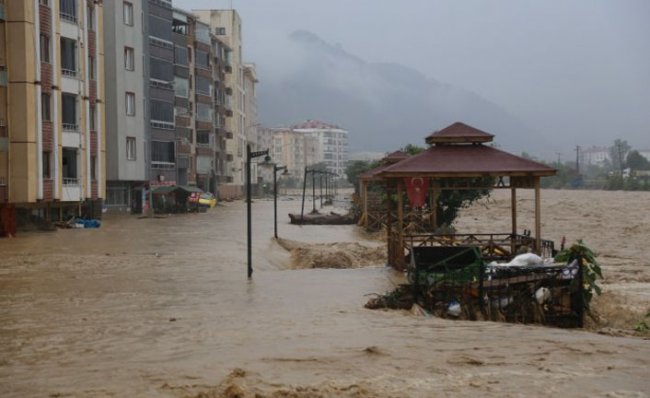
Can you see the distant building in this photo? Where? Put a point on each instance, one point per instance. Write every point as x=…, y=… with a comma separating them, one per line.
x=52, y=124
x=294, y=149
x=595, y=156
x=333, y=143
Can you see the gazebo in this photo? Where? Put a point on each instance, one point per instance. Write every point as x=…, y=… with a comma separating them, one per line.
x=372, y=214
x=457, y=157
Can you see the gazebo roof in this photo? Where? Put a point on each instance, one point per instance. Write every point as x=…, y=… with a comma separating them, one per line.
x=388, y=160
x=458, y=133
x=395, y=157
x=463, y=160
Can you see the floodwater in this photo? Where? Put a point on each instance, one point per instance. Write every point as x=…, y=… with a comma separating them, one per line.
x=162, y=308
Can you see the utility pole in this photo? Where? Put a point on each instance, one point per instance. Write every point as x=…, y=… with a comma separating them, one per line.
x=559, y=158
x=578, y=159
x=620, y=156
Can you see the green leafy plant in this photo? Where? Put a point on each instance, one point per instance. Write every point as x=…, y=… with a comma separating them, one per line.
x=590, y=268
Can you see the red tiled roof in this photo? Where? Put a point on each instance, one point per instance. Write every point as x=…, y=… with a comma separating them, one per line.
x=457, y=133
x=396, y=156
x=465, y=160
x=315, y=124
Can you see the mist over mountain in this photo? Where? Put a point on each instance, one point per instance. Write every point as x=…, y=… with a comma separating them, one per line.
x=384, y=106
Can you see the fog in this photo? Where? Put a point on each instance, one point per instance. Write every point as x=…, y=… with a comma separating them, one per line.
x=573, y=72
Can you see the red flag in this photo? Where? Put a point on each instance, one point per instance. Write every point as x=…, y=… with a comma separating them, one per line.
x=416, y=189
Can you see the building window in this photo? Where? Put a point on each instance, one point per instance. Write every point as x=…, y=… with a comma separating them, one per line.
x=69, y=112
x=130, y=104
x=127, y=9
x=92, y=118
x=69, y=166
x=68, y=57
x=93, y=168
x=161, y=69
x=45, y=48
x=130, y=148
x=181, y=87
x=46, y=165
x=45, y=107
x=203, y=86
x=162, y=111
x=68, y=10
x=129, y=58
x=91, y=67
x=181, y=56
x=203, y=137
x=91, y=18
x=162, y=152
x=44, y=2
x=202, y=59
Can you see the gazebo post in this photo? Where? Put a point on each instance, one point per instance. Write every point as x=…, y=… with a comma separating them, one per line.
x=433, y=205
x=538, y=217
x=389, y=223
x=513, y=206
x=400, y=226
x=364, y=192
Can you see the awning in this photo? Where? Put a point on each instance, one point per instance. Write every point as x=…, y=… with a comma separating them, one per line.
x=189, y=188
x=163, y=190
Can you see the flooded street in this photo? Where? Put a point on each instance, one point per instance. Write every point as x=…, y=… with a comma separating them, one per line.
x=162, y=308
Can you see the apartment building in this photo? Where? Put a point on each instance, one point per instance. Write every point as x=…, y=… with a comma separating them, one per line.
x=294, y=149
x=126, y=139
x=227, y=25
x=200, y=65
x=51, y=108
x=333, y=143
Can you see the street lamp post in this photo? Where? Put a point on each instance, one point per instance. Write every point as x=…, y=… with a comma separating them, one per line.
x=249, y=156
x=275, y=197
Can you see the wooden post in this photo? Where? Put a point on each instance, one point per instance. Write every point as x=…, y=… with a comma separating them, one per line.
x=513, y=206
x=433, y=205
x=389, y=222
x=364, y=193
x=538, y=218
x=400, y=226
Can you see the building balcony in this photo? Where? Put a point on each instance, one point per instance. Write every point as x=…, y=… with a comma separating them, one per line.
x=70, y=127
x=71, y=190
x=68, y=17
x=69, y=73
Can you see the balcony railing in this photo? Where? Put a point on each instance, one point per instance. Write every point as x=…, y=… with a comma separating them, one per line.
x=69, y=73
x=70, y=181
x=68, y=17
x=70, y=127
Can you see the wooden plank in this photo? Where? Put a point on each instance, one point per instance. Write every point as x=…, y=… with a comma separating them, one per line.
x=400, y=225
x=513, y=206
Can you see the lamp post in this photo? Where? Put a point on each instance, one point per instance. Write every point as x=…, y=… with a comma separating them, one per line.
x=276, y=168
x=249, y=156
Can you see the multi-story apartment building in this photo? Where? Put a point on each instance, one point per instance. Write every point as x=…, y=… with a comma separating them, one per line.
x=51, y=107
x=200, y=91
x=227, y=25
x=159, y=102
x=333, y=143
x=126, y=139
x=181, y=131
x=294, y=149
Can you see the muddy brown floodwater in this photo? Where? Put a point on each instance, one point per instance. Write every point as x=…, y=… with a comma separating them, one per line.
x=163, y=308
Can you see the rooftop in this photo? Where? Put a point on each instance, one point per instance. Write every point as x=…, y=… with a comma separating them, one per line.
x=458, y=133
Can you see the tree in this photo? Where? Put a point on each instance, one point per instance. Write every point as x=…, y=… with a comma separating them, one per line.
x=412, y=149
x=617, y=153
x=356, y=167
x=636, y=161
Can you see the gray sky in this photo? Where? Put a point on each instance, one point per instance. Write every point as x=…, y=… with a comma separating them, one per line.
x=577, y=71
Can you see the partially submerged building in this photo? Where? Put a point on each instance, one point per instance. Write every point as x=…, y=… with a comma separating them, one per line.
x=51, y=109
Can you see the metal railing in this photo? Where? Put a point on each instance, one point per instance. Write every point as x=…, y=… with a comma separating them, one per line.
x=68, y=17
x=68, y=73
x=70, y=127
x=70, y=181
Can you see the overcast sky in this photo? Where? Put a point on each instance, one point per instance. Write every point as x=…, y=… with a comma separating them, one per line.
x=577, y=71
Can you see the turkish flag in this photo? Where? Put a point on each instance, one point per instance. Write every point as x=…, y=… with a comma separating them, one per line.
x=416, y=189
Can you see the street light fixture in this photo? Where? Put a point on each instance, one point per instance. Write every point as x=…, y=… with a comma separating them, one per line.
x=276, y=168
x=249, y=156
